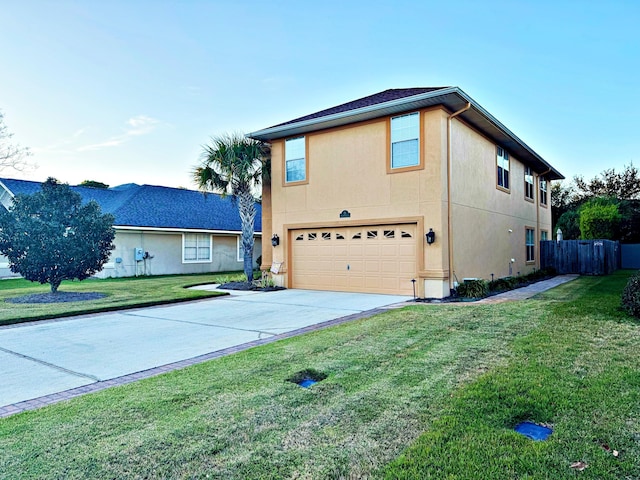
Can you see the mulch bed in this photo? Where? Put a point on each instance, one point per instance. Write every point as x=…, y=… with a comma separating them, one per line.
x=59, y=297
x=248, y=286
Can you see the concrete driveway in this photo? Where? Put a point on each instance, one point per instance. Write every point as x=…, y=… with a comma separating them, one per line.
x=49, y=361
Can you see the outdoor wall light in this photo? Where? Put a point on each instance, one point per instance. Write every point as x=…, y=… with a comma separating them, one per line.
x=430, y=236
x=275, y=240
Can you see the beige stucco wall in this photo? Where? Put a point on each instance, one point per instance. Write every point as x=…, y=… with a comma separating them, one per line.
x=166, y=249
x=347, y=170
x=489, y=223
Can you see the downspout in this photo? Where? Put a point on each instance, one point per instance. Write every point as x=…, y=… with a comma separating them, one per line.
x=449, y=209
x=538, y=235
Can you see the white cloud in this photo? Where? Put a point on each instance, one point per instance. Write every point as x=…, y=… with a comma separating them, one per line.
x=136, y=126
x=141, y=125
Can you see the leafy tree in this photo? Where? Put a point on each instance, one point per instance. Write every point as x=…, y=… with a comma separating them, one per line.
x=630, y=224
x=94, y=184
x=563, y=199
x=569, y=223
x=234, y=165
x=50, y=236
x=623, y=185
x=11, y=156
x=600, y=219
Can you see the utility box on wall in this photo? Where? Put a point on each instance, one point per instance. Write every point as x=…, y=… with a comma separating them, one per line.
x=138, y=254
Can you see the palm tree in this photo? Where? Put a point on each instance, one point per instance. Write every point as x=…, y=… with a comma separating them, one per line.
x=234, y=165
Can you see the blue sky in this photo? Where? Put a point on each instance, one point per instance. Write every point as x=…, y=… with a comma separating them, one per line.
x=129, y=91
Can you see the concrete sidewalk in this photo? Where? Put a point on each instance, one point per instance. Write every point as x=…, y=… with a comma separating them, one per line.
x=530, y=291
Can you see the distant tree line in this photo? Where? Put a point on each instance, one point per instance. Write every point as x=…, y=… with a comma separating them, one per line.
x=605, y=207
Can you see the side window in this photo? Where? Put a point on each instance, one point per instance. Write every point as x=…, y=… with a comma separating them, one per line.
x=405, y=140
x=295, y=160
x=502, y=163
x=531, y=244
x=528, y=183
x=196, y=248
x=543, y=191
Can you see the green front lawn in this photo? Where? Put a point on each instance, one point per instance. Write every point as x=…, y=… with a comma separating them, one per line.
x=422, y=392
x=120, y=293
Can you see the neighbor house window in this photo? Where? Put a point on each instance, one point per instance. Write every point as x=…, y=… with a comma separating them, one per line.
x=502, y=162
x=196, y=247
x=528, y=183
x=295, y=160
x=544, y=235
x=405, y=140
x=531, y=244
x=543, y=191
x=239, y=251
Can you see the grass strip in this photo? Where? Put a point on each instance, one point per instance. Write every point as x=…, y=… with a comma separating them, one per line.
x=462, y=374
x=130, y=292
x=579, y=372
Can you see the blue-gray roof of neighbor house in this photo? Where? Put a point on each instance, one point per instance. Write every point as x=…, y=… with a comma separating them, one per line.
x=156, y=207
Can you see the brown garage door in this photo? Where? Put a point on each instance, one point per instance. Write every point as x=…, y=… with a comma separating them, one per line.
x=375, y=259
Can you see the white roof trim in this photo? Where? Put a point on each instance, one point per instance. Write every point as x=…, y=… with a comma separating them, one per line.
x=180, y=230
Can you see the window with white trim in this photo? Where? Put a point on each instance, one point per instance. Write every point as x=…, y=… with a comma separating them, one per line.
x=405, y=140
x=295, y=160
x=543, y=191
x=531, y=244
x=502, y=163
x=239, y=252
x=528, y=183
x=196, y=247
x=544, y=235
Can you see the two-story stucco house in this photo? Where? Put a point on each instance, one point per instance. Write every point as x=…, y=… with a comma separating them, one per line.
x=408, y=184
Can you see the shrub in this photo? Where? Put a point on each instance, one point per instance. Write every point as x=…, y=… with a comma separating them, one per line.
x=631, y=296
x=599, y=219
x=473, y=289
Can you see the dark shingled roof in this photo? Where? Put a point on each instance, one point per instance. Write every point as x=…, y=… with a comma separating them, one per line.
x=156, y=207
x=376, y=98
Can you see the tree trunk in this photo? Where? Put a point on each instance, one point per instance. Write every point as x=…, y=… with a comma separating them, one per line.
x=247, y=210
x=54, y=285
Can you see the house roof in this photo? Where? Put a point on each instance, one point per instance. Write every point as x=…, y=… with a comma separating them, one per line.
x=149, y=206
x=395, y=101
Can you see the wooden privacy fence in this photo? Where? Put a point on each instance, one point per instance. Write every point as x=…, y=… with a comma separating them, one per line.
x=586, y=257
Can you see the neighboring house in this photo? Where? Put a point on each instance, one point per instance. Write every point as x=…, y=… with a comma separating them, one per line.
x=408, y=184
x=159, y=230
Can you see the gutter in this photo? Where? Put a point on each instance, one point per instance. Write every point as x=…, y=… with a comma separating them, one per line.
x=449, y=209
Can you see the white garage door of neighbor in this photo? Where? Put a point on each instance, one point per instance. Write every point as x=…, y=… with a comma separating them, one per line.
x=371, y=259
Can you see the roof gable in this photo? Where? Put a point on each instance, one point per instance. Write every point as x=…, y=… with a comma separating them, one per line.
x=375, y=99
x=399, y=101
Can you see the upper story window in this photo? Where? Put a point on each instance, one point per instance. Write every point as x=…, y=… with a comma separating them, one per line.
x=196, y=247
x=295, y=160
x=502, y=162
x=543, y=191
x=405, y=140
x=528, y=183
